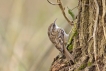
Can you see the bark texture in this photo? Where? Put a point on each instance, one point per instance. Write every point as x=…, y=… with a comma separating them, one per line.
x=90, y=42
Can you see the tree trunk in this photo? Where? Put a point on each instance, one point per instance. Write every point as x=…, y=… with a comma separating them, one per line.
x=90, y=42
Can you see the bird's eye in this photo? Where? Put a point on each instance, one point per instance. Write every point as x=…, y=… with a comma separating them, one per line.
x=54, y=25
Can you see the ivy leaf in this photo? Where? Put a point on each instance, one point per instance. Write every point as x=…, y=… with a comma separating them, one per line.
x=71, y=13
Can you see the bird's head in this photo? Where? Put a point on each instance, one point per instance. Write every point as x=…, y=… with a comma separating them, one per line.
x=53, y=27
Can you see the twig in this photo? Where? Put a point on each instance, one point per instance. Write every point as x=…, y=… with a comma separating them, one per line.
x=95, y=31
x=53, y=3
x=103, y=15
x=73, y=8
x=62, y=9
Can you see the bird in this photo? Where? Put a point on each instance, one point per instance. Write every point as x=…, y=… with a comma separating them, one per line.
x=59, y=38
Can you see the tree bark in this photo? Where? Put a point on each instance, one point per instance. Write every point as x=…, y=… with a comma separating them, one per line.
x=89, y=47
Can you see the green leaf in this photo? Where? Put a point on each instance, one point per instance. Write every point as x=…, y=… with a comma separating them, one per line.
x=71, y=13
x=70, y=47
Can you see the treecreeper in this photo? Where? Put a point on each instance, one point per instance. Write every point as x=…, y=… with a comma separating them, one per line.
x=59, y=38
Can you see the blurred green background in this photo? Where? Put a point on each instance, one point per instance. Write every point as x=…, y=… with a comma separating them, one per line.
x=24, y=43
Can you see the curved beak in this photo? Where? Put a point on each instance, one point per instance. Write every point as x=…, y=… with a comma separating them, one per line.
x=55, y=20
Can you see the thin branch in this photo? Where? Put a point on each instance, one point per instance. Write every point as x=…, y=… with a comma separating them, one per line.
x=62, y=9
x=103, y=15
x=73, y=8
x=53, y=3
x=95, y=29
